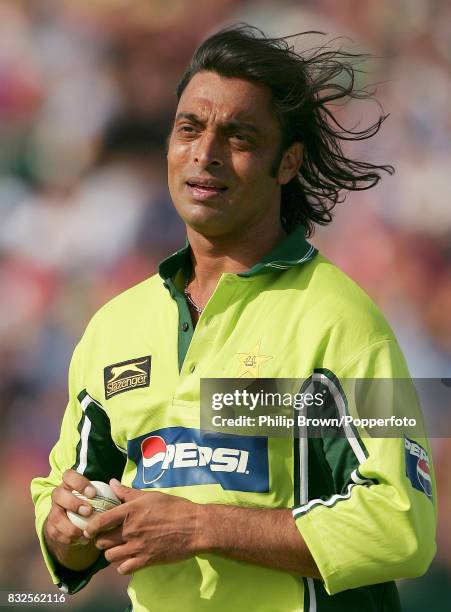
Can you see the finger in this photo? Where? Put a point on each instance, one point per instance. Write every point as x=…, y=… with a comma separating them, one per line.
x=109, y=539
x=124, y=493
x=106, y=520
x=68, y=501
x=53, y=534
x=61, y=538
x=57, y=536
x=118, y=554
x=75, y=481
x=130, y=566
x=59, y=528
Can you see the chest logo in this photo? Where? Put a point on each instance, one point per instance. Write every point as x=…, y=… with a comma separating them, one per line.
x=127, y=375
x=250, y=362
x=187, y=457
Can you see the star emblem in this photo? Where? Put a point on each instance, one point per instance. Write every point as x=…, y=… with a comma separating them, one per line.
x=250, y=362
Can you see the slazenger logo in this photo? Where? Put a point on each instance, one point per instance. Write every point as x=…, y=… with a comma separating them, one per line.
x=158, y=456
x=127, y=375
x=182, y=456
x=417, y=467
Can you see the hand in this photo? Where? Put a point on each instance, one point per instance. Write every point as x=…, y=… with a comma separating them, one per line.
x=156, y=528
x=58, y=528
x=63, y=539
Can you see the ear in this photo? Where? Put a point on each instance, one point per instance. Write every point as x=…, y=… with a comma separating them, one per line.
x=290, y=163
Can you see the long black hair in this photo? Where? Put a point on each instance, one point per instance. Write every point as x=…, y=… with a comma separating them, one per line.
x=303, y=87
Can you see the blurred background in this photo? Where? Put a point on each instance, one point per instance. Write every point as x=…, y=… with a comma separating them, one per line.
x=86, y=100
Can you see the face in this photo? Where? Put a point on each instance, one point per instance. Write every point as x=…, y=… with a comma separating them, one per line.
x=221, y=151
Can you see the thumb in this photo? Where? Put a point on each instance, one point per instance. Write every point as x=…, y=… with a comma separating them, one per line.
x=124, y=493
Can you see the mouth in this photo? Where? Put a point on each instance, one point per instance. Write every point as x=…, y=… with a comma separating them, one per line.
x=204, y=189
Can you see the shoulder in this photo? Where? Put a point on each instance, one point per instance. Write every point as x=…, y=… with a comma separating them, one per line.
x=120, y=330
x=133, y=304
x=340, y=299
x=338, y=316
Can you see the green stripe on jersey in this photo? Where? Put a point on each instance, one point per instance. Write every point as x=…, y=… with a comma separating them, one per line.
x=97, y=456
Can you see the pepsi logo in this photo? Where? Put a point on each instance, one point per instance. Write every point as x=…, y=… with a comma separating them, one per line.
x=154, y=451
x=424, y=476
x=181, y=456
x=418, y=469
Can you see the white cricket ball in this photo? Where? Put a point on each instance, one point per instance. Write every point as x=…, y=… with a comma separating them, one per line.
x=104, y=500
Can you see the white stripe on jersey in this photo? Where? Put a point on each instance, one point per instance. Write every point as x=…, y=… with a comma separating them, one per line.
x=312, y=595
x=84, y=445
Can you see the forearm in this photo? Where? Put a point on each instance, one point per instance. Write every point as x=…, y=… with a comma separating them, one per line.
x=76, y=557
x=260, y=536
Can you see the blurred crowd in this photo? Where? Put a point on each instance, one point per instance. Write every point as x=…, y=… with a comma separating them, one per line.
x=86, y=100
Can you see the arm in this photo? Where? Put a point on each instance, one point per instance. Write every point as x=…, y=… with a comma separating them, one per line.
x=85, y=451
x=264, y=537
x=378, y=524
x=160, y=528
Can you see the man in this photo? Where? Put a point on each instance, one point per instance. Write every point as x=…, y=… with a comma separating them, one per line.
x=309, y=524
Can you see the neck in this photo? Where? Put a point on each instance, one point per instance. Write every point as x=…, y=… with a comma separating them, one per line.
x=213, y=256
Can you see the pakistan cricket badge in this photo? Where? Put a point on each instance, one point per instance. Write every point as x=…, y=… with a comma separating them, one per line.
x=250, y=362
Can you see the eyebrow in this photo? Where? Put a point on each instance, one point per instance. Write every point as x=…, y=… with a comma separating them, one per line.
x=230, y=124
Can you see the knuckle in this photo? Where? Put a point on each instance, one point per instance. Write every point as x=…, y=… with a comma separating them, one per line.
x=50, y=523
x=129, y=530
x=67, y=475
x=138, y=547
x=55, y=534
x=58, y=498
x=74, y=480
x=51, y=531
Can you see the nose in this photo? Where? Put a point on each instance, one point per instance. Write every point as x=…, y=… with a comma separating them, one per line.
x=208, y=151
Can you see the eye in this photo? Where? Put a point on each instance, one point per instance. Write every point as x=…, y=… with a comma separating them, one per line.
x=241, y=140
x=187, y=130
x=240, y=137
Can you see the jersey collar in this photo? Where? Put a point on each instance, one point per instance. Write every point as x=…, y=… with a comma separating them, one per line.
x=292, y=251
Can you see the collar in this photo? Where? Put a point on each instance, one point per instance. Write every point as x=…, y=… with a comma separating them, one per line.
x=292, y=251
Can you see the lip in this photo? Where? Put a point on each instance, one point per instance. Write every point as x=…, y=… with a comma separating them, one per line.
x=202, y=188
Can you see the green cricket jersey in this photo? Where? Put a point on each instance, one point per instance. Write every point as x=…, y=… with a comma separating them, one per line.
x=365, y=506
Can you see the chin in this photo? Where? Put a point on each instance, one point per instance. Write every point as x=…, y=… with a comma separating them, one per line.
x=209, y=230
x=201, y=217
x=210, y=227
